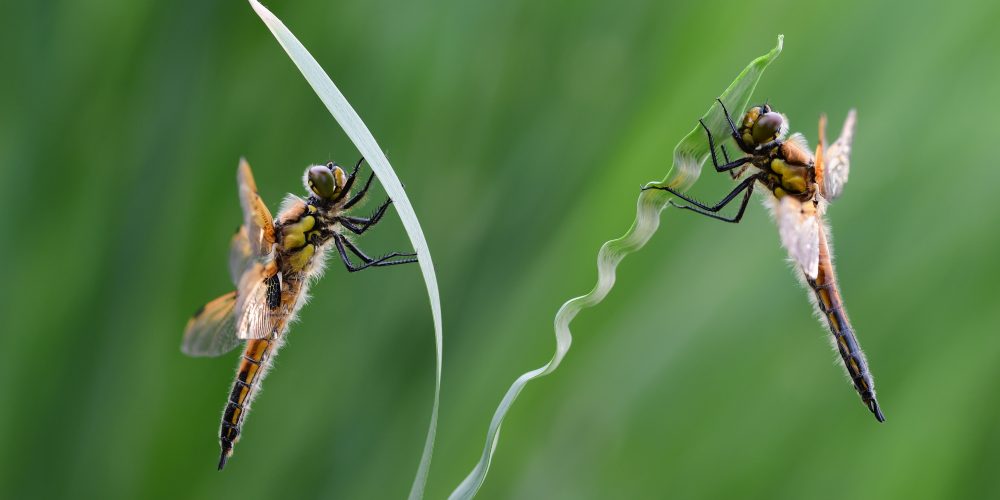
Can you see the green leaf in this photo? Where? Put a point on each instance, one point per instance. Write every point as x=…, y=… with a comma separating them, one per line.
x=689, y=155
x=363, y=140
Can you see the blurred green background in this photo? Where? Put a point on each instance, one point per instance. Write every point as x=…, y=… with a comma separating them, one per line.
x=522, y=131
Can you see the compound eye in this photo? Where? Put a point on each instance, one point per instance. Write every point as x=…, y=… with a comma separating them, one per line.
x=767, y=127
x=321, y=181
x=339, y=177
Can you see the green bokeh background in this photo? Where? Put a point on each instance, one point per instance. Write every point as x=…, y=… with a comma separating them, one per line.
x=522, y=131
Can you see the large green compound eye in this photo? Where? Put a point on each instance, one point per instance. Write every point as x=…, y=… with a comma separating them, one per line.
x=767, y=127
x=321, y=182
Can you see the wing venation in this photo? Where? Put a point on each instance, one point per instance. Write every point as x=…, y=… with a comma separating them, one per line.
x=212, y=330
x=798, y=226
x=837, y=159
x=256, y=217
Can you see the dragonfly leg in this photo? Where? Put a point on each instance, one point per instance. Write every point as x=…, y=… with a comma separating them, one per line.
x=715, y=161
x=735, y=173
x=343, y=244
x=360, y=194
x=732, y=126
x=700, y=208
x=768, y=146
x=358, y=225
x=350, y=180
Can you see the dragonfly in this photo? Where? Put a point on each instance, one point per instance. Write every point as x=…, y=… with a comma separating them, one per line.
x=799, y=185
x=272, y=263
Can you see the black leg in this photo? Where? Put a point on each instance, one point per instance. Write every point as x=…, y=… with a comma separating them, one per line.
x=735, y=173
x=715, y=161
x=746, y=185
x=358, y=225
x=736, y=218
x=768, y=146
x=361, y=194
x=350, y=181
x=343, y=244
x=732, y=126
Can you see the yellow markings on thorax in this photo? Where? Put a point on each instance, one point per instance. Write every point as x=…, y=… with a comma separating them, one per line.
x=298, y=231
x=297, y=239
x=300, y=259
x=793, y=177
x=295, y=235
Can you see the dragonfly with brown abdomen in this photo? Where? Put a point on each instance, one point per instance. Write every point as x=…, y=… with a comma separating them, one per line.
x=799, y=186
x=272, y=263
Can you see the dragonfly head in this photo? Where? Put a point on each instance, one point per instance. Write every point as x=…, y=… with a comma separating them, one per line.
x=761, y=125
x=325, y=181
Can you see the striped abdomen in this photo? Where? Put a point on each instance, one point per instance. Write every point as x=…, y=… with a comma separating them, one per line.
x=253, y=366
x=831, y=307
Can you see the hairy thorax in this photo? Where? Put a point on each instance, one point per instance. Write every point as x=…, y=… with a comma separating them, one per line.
x=303, y=229
x=790, y=171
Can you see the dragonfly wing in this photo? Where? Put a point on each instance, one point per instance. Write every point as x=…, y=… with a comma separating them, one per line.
x=256, y=217
x=212, y=330
x=241, y=256
x=837, y=159
x=258, y=310
x=798, y=226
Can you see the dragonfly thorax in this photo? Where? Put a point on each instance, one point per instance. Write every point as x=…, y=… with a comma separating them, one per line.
x=789, y=170
x=304, y=228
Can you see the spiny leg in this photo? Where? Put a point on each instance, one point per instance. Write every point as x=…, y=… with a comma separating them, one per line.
x=360, y=194
x=732, y=126
x=358, y=225
x=747, y=185
x=768, y=146
x=383, y=260
x=350, y=180
x=343, y=244
x=736, y=218
x=735, y=173
x=715, y=161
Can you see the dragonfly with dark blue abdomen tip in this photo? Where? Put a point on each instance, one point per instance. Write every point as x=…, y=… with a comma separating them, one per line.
x=799, y=185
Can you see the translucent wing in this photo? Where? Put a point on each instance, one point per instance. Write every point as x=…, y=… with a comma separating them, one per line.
x=837, y=158
x=798, y=226
x=259, y=311
x=212, y=330
x=256, y=216
x=241, y=256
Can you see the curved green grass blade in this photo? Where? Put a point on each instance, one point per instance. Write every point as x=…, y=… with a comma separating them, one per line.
x=689, y=154
x=363, y=140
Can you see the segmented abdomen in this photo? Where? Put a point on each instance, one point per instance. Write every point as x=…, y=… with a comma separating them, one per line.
x=252, y=369
x=831, y=307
